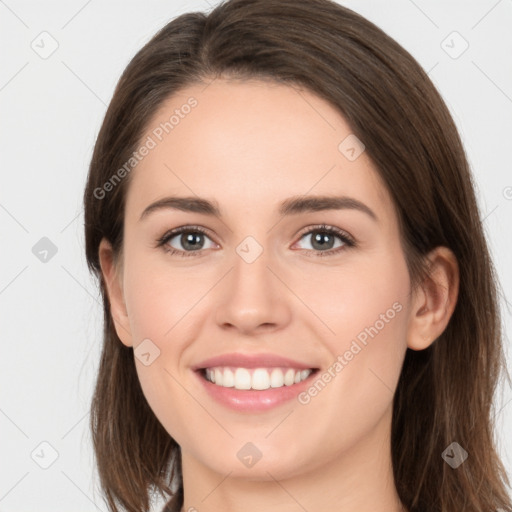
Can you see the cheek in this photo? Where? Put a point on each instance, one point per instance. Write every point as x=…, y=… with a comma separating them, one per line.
x=161, y=308
x=157, y=306
x=158, y=299
x=364, y=298
x=366, y=312
x=355, y=392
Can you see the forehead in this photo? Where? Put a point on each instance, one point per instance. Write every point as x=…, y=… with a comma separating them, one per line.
x=249, y=145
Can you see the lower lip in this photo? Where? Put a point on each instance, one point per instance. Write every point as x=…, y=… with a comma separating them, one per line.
x=252, y=400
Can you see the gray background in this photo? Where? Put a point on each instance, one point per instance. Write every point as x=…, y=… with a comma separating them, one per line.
x=51, y=110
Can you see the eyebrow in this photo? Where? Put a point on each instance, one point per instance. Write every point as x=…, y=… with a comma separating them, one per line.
x=291, y=206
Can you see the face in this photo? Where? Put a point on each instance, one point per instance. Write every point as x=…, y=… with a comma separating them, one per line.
x=310, y=300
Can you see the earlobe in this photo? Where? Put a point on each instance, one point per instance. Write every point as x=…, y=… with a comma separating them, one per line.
x=113, y=281
x=435, y=300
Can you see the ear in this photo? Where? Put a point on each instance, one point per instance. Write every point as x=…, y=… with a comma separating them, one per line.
x=435, y=300
x=112, y=276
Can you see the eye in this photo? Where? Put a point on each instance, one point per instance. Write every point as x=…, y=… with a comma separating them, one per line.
x=190, y=238
x=322, y=240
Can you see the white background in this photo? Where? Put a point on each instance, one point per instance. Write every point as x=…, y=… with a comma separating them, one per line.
x=51, y=110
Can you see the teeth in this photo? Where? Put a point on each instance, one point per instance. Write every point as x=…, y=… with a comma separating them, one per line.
x=258, y=378
x=276, y=378
x=228, y=380
x=218, y=376
x=242, y=379
x=289, y=377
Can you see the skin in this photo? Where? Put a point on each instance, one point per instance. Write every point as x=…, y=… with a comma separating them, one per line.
x=250, y=145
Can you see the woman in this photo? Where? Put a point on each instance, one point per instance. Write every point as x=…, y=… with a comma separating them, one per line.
x=242, y=368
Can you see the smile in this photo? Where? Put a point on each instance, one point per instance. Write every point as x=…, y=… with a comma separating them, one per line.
x=255, y=378
x=253, y=382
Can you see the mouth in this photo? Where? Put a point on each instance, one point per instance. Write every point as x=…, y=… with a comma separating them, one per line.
x=253, y=382
x=250, y=387
x=258, y=379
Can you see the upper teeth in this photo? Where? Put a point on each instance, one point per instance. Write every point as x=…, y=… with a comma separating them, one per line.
x=258, y=378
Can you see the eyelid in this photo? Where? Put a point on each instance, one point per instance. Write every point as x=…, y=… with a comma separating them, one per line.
x=171, y=233
x=328, y=228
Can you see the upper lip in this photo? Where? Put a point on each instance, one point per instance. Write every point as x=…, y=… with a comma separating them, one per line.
x=238, y=360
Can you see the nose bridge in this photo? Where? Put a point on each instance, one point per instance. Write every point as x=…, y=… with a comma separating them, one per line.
x=252, y=294
x=252, y=279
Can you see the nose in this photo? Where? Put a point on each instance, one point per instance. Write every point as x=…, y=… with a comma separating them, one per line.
x=253, y=297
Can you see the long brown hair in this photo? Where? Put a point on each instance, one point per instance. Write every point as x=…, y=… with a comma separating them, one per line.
x=446, y=392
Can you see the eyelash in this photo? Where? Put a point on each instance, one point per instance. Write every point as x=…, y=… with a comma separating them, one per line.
x=347, y=240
